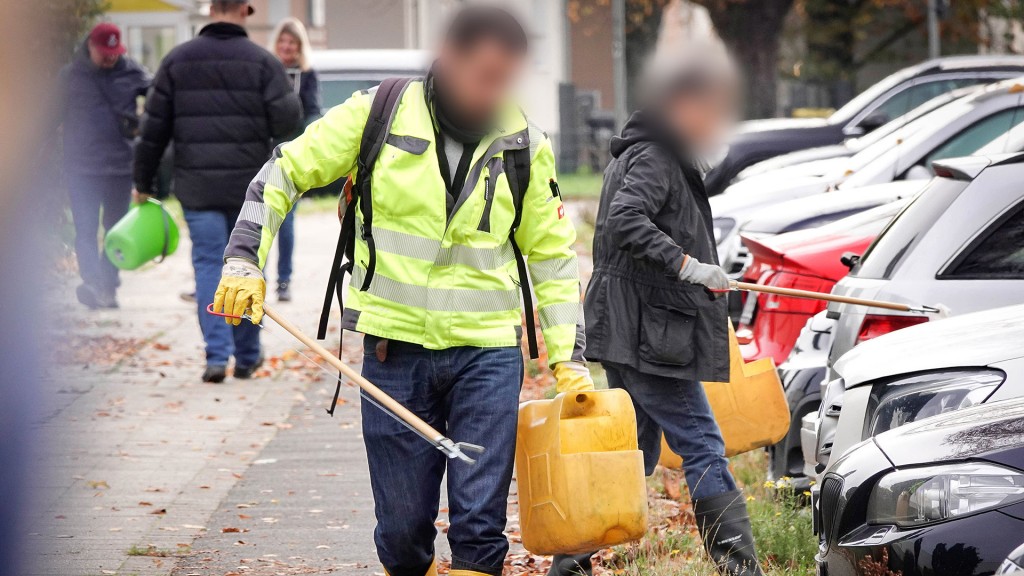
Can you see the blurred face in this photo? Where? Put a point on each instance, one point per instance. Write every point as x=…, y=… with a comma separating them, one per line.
x=478, y=80
x=102, y=60
x=702, y=120
x=288, y=48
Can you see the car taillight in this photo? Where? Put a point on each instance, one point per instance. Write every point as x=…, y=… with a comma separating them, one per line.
x=876, y=325
x=787, y=304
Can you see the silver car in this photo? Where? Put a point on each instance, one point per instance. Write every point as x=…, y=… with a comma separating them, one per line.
x=958, y=245
x=927, y=370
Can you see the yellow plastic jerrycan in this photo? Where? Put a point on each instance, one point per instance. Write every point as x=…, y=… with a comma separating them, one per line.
x=580, y=474
x=750, y=408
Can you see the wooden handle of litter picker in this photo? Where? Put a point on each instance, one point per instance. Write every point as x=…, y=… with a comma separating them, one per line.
x=821, y=296
x=379, y=395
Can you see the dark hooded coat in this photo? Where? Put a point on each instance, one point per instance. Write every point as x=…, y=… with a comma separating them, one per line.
x=654, y=210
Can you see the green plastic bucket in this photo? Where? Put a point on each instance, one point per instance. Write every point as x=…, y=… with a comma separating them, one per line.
x=146, y=232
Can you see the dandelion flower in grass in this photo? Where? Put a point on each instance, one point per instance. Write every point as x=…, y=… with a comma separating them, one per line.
x=750, y=498
x=807, y=492
x=769, y=484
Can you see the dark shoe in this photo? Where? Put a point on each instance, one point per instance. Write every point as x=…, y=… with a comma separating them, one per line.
x=87, y=296
x=728, y=538
x=188, y=296
x=246, y=372
x=284, y=294
x=571, y=565
x=215, y=374
x=106, y=299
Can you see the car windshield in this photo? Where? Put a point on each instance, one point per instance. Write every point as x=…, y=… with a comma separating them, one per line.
x=1011, y=141
x=899, y=238
x=336, y=90
x=865, y=98
x=920, y=129
x=869, y=139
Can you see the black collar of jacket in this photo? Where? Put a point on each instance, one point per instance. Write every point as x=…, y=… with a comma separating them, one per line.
x=223, y=30
x=649, y=126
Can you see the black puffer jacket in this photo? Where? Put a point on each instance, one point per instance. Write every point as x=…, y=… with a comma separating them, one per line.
x=221, y=99
x=653, y=211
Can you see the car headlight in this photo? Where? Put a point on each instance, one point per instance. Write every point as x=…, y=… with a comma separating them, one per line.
x=919, y=496
x=722, y=227
x=898, y=402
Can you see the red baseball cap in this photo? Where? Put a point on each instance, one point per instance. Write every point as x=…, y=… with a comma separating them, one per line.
x=106, y=37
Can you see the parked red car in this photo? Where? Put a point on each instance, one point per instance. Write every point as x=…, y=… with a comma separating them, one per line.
x=805, y=260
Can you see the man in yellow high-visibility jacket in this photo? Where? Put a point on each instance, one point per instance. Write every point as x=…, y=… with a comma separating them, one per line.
x=437, y=292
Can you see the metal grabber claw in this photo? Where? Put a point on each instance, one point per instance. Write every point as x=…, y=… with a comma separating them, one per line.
x=453, y=450
x=457, y=450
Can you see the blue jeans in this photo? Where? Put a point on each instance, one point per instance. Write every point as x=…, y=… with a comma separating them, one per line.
x=470, y=395
x=285, y=248
x=681, y=410
x=88, y=194
x=210, y=230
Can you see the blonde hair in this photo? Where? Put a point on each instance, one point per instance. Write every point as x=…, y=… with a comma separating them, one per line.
x=295, y=28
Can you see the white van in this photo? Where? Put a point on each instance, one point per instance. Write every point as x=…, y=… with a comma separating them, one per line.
x=344, y=72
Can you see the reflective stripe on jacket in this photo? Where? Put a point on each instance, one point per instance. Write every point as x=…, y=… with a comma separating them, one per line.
x=440, y=281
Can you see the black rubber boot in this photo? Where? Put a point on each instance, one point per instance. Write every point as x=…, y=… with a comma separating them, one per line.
x=725, y=528
x=572, y=565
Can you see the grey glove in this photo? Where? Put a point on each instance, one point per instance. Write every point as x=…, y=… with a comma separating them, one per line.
x=708, y=275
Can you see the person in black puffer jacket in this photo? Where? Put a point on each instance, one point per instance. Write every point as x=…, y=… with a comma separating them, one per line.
x=222, y=100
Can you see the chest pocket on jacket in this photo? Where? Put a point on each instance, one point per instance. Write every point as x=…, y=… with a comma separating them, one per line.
x=405, y=178
x=495, y=170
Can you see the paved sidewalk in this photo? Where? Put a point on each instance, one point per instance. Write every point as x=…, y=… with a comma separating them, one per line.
x=137, y=453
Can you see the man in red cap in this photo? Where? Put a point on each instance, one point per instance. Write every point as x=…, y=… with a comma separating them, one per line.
x=100, y=120
x=105, y=47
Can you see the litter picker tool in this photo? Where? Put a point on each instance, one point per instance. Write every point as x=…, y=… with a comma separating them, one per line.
x=376, y=396
x=807, y=294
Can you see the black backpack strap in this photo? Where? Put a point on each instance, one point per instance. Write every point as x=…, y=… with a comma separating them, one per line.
x=341, y=265
x=517, y=170
x=378, y=124
x=375, y=132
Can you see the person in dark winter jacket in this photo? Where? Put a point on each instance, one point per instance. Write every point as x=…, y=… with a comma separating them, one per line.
x=222, y=100
x=290, y=43
x=653, y=319
x=99, y=119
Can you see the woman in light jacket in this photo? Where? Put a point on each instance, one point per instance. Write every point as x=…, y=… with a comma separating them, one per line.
x=290, y=43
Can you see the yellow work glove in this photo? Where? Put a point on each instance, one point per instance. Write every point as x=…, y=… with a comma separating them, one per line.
x=241, y=288
x=572, y=377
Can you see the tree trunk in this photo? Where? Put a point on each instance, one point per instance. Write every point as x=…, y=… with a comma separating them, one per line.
x=752, y=29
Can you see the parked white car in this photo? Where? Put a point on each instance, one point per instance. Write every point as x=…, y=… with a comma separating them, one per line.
x=344, y=72
x=819, y=161
x=960, y=128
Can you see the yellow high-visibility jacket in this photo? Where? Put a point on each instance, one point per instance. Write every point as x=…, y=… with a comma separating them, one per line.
x=440, y=281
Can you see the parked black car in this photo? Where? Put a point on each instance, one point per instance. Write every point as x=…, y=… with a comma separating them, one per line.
x=802, y=374
x=891, y=98
x=944, y=495
x=1014, y=564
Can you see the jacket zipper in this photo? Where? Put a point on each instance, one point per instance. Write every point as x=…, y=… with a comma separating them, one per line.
x=485, y=219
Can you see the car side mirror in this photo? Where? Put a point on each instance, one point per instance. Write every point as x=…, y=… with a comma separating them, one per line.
x=918, y=172
x=849, y=259
x=874, y=120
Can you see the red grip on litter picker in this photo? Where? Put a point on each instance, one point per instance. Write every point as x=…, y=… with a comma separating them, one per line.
x=209, y=310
